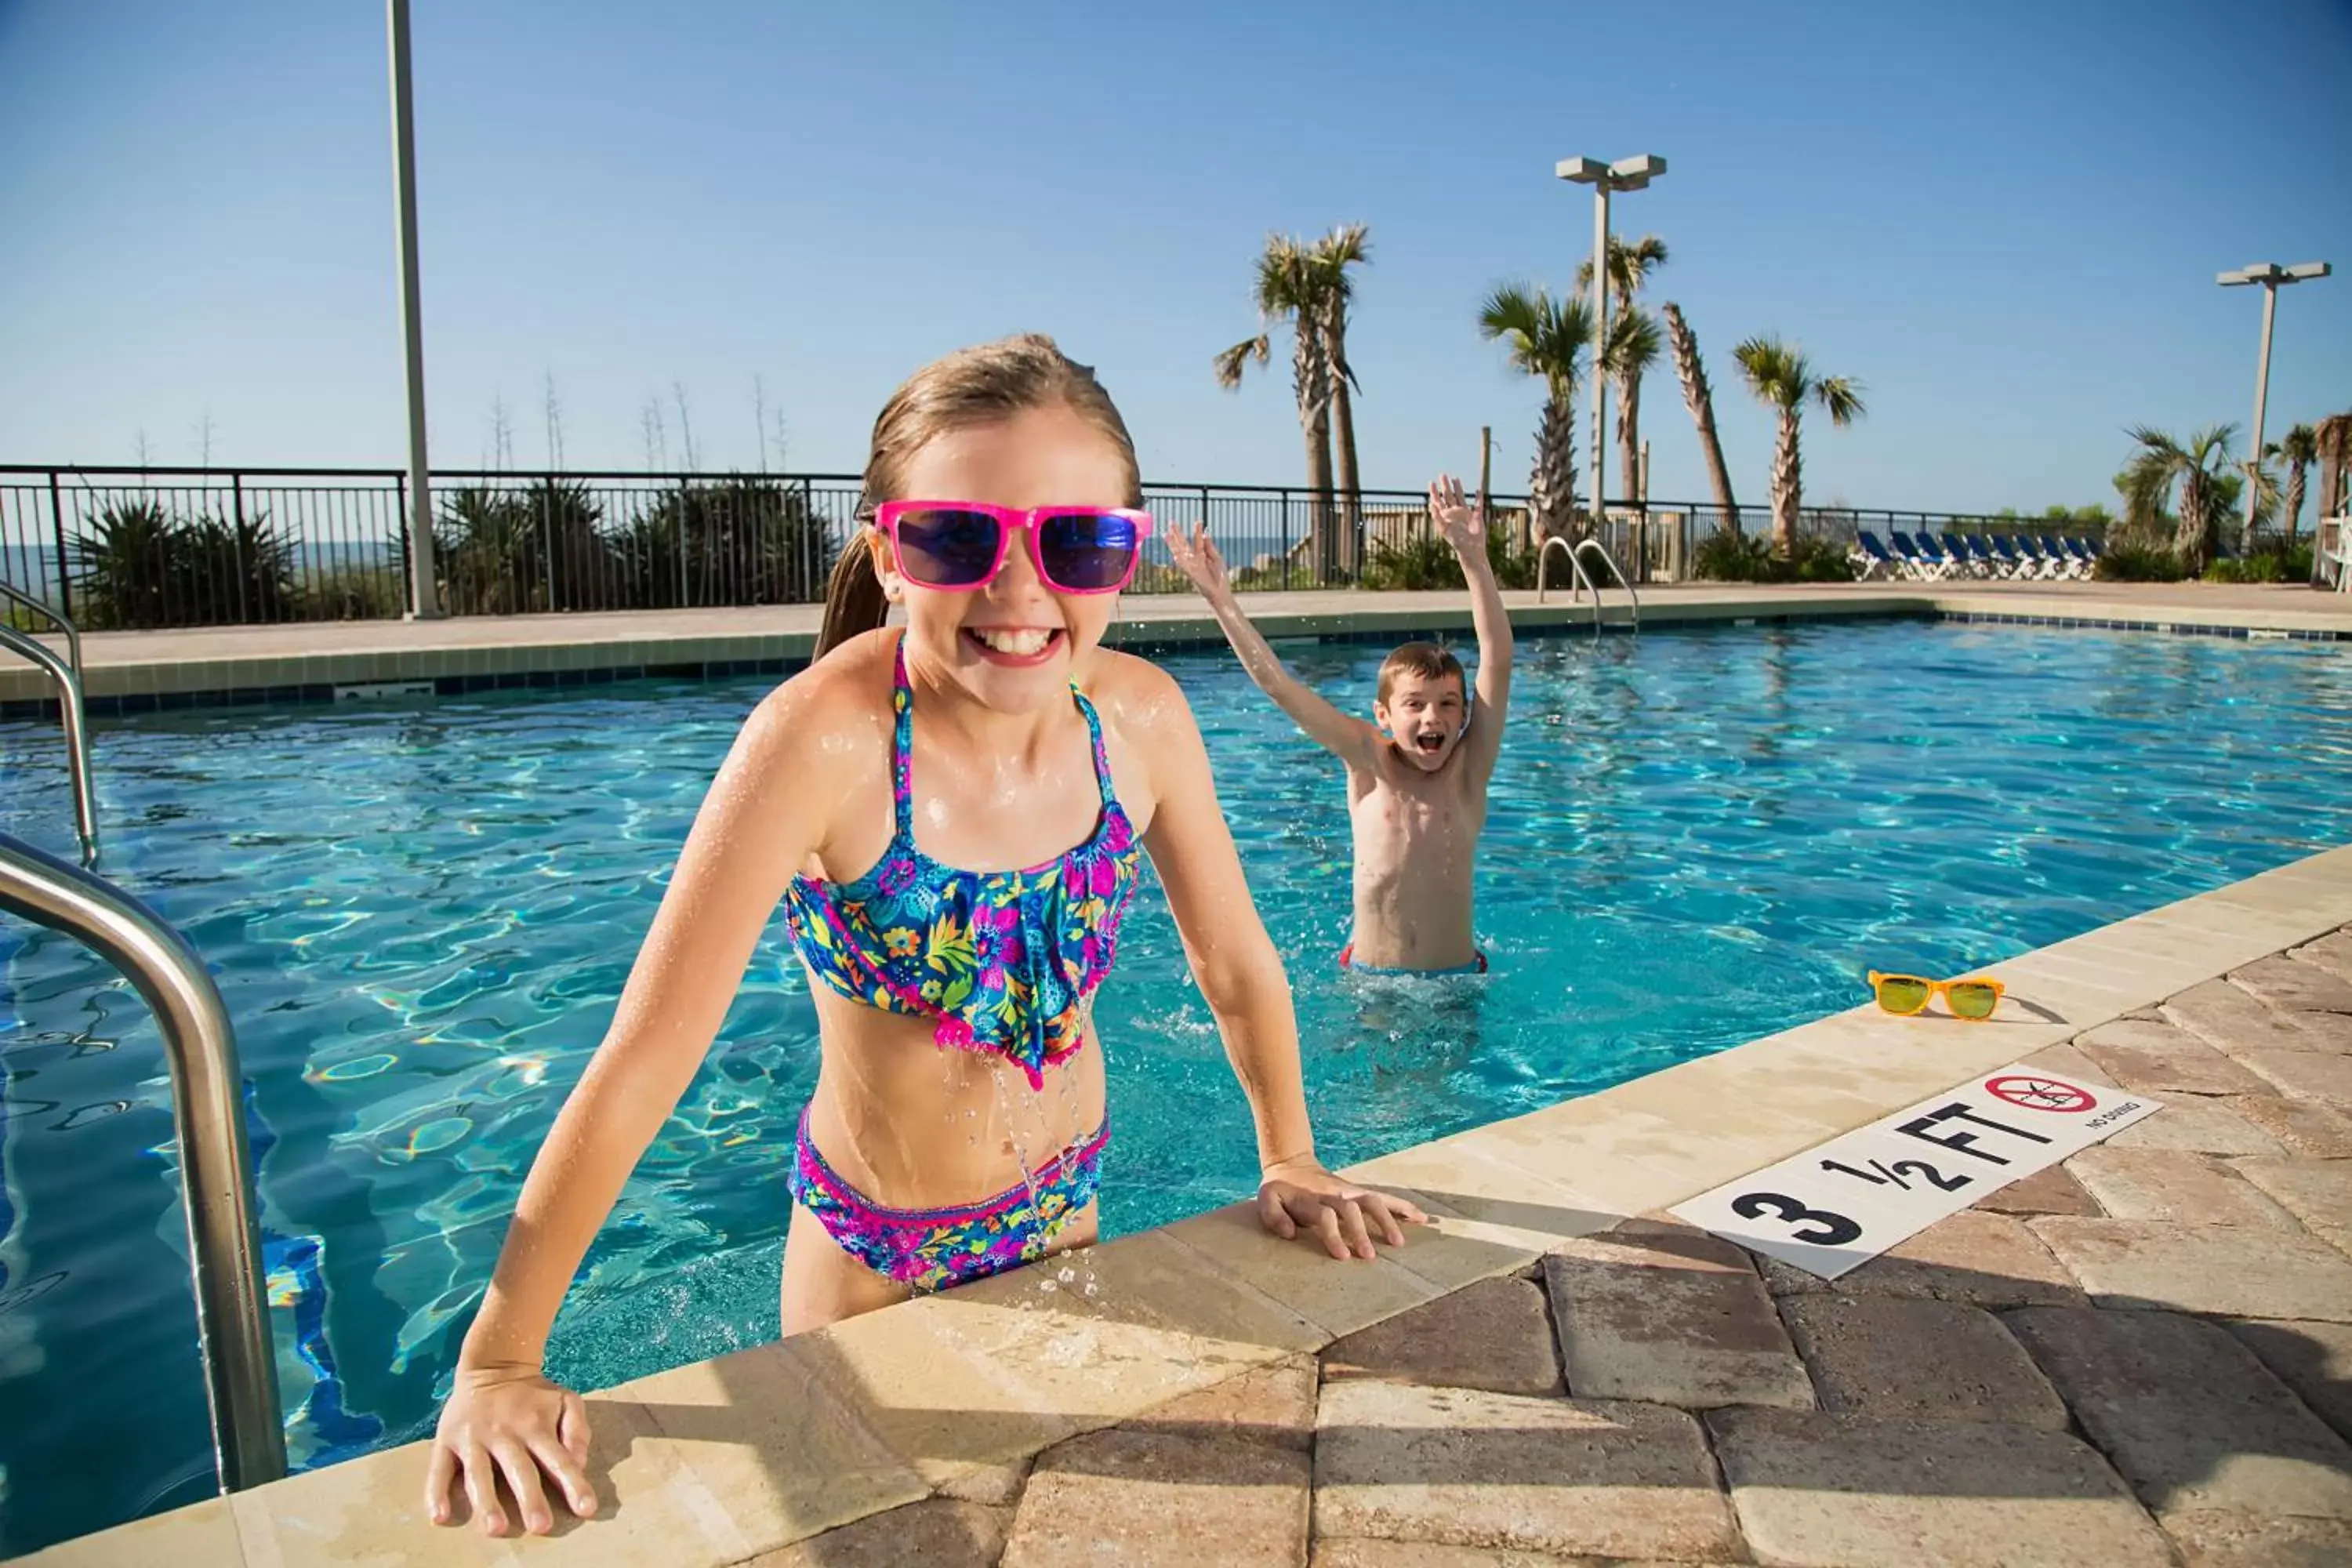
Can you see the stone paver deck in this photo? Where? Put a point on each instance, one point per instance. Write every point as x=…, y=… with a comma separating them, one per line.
x=2141, y=1357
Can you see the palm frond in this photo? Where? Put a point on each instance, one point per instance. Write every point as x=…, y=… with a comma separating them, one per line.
x=1547, y=337
x=2300, y=445
x=1648, y=253
x=1284, y=282
x=1776, y=373
x=1634, y=343
x=1841, y=398
x=2210, y=448
x=1629, y=266
x=1347, y=245
x=1513, y=310
x=1230, y=363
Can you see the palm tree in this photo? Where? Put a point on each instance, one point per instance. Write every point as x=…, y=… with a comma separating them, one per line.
x=1695, y=393
x=1633, y=352
x=1630, y=262
x=1548, y=338
x=1784, y=379
x=2198, y=466
x=1633, y=348
x=1290, y=287
x=2333, y=441
x=1348, y=245
x=2296, y=449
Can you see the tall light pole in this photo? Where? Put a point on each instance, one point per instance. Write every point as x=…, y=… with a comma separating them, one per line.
x=2270, y=275
x=422, y=602
x=1624, y=175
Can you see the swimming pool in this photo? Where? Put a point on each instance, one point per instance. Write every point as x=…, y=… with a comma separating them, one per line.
x=420, y=915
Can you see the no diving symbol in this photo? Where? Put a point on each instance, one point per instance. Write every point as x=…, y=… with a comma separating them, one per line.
x=2040, y=1093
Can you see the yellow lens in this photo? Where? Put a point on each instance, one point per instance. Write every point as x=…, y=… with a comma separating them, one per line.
x=1972, y=999
x=1902, y=993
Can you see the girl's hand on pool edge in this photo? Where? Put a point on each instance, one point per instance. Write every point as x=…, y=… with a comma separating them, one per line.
x=1301, y=1194
x=510, y=1423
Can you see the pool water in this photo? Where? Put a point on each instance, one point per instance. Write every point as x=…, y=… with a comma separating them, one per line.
x=421, y=915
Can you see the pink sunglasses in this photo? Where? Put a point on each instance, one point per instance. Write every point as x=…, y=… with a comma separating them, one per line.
x=961, y=545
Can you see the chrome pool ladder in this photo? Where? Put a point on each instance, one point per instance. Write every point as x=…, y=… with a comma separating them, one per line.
x=208, y=1115
x=66, y=675
x=1575, y=553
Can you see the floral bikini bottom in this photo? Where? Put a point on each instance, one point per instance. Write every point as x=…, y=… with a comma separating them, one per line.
x=933, y=1250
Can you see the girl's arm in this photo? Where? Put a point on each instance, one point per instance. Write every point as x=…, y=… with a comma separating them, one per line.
x=758, y=825
x=1234, y=963
x=1349, y=739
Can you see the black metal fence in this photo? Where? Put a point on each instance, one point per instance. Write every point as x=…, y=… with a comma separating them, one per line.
x=120, y=548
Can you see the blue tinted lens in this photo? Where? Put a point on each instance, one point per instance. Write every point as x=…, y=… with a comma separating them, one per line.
x=948, y=548
x=1087, y=550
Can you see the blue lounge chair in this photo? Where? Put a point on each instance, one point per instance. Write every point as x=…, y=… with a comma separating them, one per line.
x=2090, y=550
x=1870, y=558
x=1959, y=553
x=1981, y=560
x=2069, y=563
x=2039, y=564
x=2013, y=564
x=1918, y=561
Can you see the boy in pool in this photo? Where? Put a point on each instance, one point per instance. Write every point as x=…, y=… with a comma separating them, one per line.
x=1417, y=774
x=953, y=814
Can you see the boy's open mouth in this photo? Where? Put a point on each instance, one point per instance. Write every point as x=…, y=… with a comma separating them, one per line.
x=1431, y=743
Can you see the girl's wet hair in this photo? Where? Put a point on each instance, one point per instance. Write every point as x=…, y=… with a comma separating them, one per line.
x=971, y=386
x=1425, y=660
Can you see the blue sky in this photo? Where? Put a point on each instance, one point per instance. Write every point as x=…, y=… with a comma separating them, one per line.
x=2003, y=218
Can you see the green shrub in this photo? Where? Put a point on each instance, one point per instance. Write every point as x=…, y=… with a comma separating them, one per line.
x=740, y=541
x=1427, y=562
x=357, y=593
x=503, y=552
x=1743, y=558
x=1732, y=558
x=143, y=566
x=1417, y=565
x=2270, y=566
x=1513, y=568
x=2127, y=562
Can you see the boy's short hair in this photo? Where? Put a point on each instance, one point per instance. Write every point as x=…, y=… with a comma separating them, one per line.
x=1425, y=660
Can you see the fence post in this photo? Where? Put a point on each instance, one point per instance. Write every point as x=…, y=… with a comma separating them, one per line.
x=547, y=542
x=1285, y=537
x=236, y=540
x=58, y=528
x=406, y=535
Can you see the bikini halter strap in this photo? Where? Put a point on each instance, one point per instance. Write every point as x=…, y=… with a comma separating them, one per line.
x=902, y=745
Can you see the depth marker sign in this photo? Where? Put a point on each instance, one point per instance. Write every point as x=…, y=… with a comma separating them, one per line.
x=1840, y=1204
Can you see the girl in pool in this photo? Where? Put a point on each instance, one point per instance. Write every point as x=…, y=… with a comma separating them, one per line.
x=953, y=817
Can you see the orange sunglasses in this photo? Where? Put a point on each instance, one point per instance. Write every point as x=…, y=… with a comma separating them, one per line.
x=1973, y=1001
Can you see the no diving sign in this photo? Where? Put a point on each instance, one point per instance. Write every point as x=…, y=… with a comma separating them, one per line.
x=1842, y=1202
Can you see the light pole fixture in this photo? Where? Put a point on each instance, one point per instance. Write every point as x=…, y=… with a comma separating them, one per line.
x=423, y=603
x=2270, y=275
x=1624, y=175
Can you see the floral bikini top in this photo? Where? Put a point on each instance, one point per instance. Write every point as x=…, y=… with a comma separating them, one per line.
x=1003, y=960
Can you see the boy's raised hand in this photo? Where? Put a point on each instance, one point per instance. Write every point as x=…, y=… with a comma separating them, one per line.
x=1198, y=559
x=1457, y=518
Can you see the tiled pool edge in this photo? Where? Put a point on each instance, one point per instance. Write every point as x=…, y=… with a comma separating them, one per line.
x=721, y=1461
x=131, y=687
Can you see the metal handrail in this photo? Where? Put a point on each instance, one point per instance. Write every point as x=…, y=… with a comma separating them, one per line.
x=1543, y=564
x=67, y=678
x=48, y=613
x=1616, y=571
x=208, y=1111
